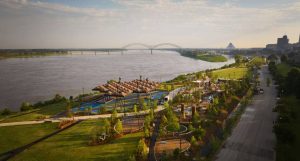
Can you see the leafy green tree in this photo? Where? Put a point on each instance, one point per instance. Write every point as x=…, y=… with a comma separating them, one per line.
x=200, y=132
x=164, y=120
x=6, y=111
x=146, y=132
x=155, y=103
x=132, y=158
x=191, y=128
x=135, y=109
x=193, y=141
x=103, y=110
x=147, y=122
x=142, y=151
x=141, y=103
x=238, y=59
x=119, y=126
x=174, y=123
x=114, y=116
x=107, y=126
x=196, y=118
x=151, y=114
x=26, y=106
x=176, y=153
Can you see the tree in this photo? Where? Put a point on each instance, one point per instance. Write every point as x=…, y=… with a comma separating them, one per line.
x=114, y=116
x=155, y=103
x=193, y=141
x=103, y=110
x=174, y=123
x=146, y=132
x=142, y=150
x=141, y=103
x=26, y=106
x=6, y=111
x=135, y=109
x=191, y=128
x=107, y=126
x=238, y=59
x=119, y=126
x=151, y=114
x=196, y=118
x=200, y=132
x=68, y=109
x=176, y=153
x=164, y=120
x=132, y=158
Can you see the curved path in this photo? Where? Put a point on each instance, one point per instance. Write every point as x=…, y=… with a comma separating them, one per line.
x=253, y=139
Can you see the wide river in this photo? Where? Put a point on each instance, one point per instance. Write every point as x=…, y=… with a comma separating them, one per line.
x=40, y=78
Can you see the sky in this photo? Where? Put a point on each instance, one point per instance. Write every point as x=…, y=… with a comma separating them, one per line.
x=28, y=24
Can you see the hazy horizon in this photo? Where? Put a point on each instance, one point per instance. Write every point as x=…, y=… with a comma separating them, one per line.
x=33, y=24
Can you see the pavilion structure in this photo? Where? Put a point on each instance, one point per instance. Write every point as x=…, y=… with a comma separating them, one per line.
x=122, y=89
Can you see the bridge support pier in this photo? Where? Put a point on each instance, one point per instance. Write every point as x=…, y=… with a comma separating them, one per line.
x=151, y=51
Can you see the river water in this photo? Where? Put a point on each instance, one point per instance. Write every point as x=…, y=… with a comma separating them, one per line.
x=40, y=78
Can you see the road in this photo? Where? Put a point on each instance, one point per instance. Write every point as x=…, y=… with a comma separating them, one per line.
x=252, y=139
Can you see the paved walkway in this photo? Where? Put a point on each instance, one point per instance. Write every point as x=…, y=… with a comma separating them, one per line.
x=159, y=108
x=253, y=139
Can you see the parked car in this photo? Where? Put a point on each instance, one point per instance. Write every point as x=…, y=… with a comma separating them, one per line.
x=261, y=91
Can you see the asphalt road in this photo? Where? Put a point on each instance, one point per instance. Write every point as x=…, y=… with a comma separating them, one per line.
x=253, y=139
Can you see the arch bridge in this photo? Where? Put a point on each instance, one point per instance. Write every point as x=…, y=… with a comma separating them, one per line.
x=149, y=47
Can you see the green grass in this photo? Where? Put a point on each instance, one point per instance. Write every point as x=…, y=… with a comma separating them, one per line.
x=211, y=58
x=291, y=151
x=231, y=73
x=284, y=68
x=72, y=145
x=257, y=61
x=16, y=136
x=47, y=110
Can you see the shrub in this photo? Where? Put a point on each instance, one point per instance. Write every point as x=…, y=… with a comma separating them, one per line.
x=26, y=106
x=6, y=111
x=142, y=151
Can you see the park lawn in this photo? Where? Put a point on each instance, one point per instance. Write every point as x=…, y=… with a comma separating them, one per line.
x=211, y=58
x=15, y=136
x=257, y=60
x=231, y=73
x=72, y=145
x=291, y=152
x=48, y=110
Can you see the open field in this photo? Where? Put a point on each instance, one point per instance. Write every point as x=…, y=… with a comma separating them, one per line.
x=72, y=145
x=231, y=73
x=211, y=58
x=45, y=111
x=205, y=57
x=16, y=136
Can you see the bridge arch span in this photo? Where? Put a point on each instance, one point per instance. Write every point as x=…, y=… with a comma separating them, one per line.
x=136, y=44
x=166, y=44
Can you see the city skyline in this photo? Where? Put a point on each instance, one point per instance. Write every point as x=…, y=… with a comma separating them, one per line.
x=113, y=24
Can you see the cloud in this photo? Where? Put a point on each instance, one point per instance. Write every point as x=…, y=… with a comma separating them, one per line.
x=183, y=21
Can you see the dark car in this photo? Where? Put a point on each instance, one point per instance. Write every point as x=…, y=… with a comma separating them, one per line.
x=261, y=91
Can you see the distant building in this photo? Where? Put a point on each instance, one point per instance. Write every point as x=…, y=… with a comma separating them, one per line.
x=230, y=46
x=283, y=43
